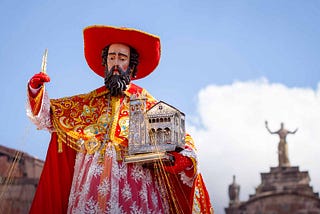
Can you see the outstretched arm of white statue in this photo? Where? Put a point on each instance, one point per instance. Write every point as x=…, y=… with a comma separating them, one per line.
x=293, y=131
x=267, y=127
x=38, y=104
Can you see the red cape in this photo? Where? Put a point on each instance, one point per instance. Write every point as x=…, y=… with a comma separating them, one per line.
x=53, y=190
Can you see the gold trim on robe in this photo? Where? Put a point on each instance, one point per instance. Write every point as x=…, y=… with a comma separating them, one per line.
x=84, y=122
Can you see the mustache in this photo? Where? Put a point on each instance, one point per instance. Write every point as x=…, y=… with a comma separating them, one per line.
x=121, y=72
x=117, y=84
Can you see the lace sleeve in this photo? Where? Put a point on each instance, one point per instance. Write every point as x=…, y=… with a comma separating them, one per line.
x=42, y=119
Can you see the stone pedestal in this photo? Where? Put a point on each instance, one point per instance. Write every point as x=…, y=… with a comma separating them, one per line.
x=284, y=179
x=283, y=190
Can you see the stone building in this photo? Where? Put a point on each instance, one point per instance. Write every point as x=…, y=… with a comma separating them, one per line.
x=283, y=190
x=19, y=176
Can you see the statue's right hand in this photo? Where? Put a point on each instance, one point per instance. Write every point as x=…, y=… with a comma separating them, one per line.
x=38, y=80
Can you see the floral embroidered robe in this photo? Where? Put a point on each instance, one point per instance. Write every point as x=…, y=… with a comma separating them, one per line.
x=90, y=132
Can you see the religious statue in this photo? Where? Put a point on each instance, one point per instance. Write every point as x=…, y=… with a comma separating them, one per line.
x=282, y=146
x=86, y=169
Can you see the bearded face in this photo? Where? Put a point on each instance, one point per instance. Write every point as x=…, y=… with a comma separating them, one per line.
x=118, y=73
x=116, y=80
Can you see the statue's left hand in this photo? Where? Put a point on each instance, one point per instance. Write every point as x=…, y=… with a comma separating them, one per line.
x=180, y=163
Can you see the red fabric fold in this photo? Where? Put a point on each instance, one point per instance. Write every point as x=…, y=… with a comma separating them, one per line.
x=53, y=190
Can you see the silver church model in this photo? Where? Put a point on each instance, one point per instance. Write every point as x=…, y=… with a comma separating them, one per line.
x=154, y=132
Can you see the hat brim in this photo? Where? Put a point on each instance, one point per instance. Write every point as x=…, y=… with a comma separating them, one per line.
x=97, y=37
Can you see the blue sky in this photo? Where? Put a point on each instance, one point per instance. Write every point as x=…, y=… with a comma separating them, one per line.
x=228, y=49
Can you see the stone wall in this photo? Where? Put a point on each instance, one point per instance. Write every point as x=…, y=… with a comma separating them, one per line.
x=19, y=177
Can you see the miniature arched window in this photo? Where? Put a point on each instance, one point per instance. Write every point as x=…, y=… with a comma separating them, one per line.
x=182, y=124
x=159, y=135
x=176, y=136
x=137, y=107
x=167, y=135
x=176, y=117
x=152, y=136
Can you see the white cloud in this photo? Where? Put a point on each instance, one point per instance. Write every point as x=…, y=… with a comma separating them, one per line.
x=232, y=138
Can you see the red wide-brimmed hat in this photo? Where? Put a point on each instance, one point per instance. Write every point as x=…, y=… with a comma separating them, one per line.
x=97, y=37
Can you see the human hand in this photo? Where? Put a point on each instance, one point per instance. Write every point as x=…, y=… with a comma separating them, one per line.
x=38, y=80
x=180, y=163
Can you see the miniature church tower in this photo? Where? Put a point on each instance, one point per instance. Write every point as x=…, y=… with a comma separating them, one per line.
x=138, y=137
